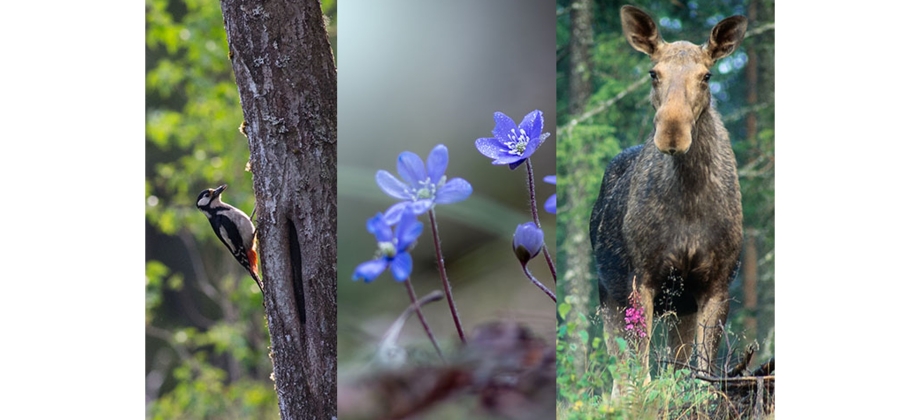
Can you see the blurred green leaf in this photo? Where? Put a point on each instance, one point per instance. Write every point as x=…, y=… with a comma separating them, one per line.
x=564, y=309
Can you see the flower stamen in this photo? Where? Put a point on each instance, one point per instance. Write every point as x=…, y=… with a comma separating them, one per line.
x=386, y=249
x=517, y=145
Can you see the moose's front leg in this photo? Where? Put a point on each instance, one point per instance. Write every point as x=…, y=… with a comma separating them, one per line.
x=646, y=299
x=713, y=310
x=682, y=337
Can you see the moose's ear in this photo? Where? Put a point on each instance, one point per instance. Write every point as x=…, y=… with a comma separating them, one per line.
x=640, y=30
x=725, y=37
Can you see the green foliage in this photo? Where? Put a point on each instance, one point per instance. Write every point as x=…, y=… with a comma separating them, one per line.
x=571, y=386
x=220, y=371
x=155, y=274
x=672, y=394
x=193, y=114
x=205, y=394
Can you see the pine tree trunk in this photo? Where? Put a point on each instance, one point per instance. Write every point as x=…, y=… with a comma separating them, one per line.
x=749, y=272
x=286, y=75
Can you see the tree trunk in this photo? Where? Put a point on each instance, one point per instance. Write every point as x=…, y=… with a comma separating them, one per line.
x=580, y=48
x=576, y=248
x=286, y=75
x=750, y=73
x=749, y=272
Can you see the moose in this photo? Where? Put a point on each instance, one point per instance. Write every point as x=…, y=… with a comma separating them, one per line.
x=667, y=220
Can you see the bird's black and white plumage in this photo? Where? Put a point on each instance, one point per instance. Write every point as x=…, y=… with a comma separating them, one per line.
x=233, y=228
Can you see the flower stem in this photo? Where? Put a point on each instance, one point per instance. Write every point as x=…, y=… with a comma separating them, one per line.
x=443, y=272
x=418, y=311
x=537, y=283
x=536, y=218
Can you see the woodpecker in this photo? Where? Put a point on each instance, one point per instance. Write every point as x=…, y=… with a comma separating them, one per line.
x=233, y=228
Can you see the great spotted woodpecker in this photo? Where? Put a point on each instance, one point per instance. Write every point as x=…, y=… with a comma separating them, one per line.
x=233, y=228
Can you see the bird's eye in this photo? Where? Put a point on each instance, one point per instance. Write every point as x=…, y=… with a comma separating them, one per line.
x=654, y=75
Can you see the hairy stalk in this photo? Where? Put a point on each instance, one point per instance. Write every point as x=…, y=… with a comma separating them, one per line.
x=537, y=283
x=418, y=311
x=443, y=272
x=536, y=218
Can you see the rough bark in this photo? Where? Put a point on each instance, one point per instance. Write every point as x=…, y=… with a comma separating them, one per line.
x=286, y=75
x=576, y=247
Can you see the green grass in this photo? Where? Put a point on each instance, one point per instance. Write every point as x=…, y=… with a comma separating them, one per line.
x=670, y=394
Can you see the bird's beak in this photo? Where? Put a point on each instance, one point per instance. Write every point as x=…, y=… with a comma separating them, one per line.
x=220, y=189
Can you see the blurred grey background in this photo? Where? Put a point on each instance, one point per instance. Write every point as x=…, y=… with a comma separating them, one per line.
x=414, y=74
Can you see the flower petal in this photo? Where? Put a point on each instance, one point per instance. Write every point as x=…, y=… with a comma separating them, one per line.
x=532, y=124
x=550, y=205
x=437, y=163
x=533, y=145
x=369, y=270
x=394, y=213
x=401, y=267
x=491, y=147
x=392, y=186
x=407, y=231
x=457, y=189
x=377, y=226
x=513, y=165
x=494, y=149
x=543, y=138
x=421, y=207
x=411, y=168
x=503, y=125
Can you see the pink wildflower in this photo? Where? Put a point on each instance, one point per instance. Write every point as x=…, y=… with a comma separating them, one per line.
x=635, y=316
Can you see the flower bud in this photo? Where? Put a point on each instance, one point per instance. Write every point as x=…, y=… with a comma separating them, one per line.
x=528, y=241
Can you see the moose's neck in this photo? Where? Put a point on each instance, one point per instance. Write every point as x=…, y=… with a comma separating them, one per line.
x=697, y=168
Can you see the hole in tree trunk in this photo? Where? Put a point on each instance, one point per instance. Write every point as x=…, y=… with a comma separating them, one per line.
x=296, y=271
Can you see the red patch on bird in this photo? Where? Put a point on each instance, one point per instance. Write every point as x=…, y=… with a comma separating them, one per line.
x=253, y=260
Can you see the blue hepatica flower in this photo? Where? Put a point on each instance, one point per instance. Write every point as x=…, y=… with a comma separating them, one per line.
x=392, y=248
x=550, y=205
x=513, y=143
x=423, y=187
x=528, y=241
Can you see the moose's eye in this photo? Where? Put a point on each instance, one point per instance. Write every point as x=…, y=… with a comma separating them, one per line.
x=654, y=75
x=706, y=77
